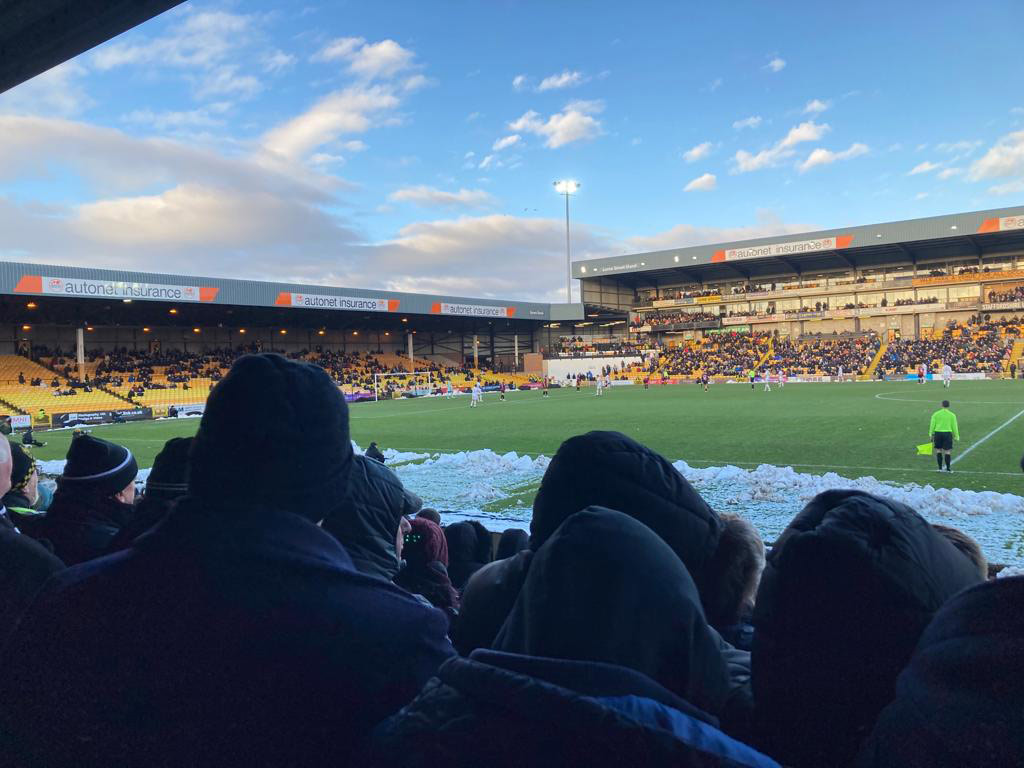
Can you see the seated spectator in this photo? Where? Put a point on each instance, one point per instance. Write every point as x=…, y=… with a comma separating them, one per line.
x=958, y=702
x=373, y=452
x=367, y=521
x=25, y=564
x=22, y=500
x=512, y=542
x=469, y=550
x=93, y=501
x=849, y=587
x=425, y=554
x=967, y=546
x=738, y=562
x=237, y=632
x=568, y=684
x=167, y=482
x=430, y=514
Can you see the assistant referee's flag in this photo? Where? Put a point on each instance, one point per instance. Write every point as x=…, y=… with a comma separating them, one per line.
x=925, y=449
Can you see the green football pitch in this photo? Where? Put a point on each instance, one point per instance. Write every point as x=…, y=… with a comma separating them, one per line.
x=853, y=429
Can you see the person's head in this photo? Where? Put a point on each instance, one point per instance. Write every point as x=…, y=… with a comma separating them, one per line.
x=736, y=567
x=425, y=543
x=945, y=403
x=275, y=435
x=606, y=588
x=168, y=480
x=404, y=527
x=511, y=542
x=24, y=474
x=966, y=545
x=847, y=590
x=99, y=468
x=428, y=513
x=611, y=470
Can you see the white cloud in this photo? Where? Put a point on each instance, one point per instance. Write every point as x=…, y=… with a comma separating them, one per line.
x=715, y=84
x=926, y=167
x=1010, y=188
x=574, y=123
x=826, y=156
x=565, y=79
x=343, y=112
x=473, y=116
x=948, y=173
x=506, y=142
x=519, y=82
x=958, y=147
x=1004, y=158
x=815, y=106
x=895, y=147
x=684, y=235
x=58, y=92
x=637, y=141
x=227, y=81
x=431, y=196
x=706, y=182
x=748, y=122
x=1017, y=110
x=698, y=152
x=371, y=61
x=278, y=61
x=920, y=195
x=781, y=150
x=486, y=162
x=173, y=121
x=777, y=64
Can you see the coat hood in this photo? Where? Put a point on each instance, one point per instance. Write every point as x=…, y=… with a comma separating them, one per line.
x=958, y=703
x=366, y=522
x=609, y=469
x=469, y=549
x=846, y=593
x=602, y=581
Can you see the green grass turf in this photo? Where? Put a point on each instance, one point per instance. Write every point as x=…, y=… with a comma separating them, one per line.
x=852, y=429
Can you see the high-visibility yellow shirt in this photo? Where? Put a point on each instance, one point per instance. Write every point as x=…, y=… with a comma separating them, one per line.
x=944, y=420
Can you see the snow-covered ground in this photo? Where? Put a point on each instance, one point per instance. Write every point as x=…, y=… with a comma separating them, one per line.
x=498, y=489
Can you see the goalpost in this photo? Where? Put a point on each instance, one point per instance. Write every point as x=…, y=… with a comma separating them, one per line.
x=422, y=381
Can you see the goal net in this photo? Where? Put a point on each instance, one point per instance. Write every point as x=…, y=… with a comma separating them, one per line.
x=387, y=385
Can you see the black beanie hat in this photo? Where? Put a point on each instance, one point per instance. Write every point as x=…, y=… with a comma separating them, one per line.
x=274, y=435
x=22, y=467
x=167, y=479
x=98, y=465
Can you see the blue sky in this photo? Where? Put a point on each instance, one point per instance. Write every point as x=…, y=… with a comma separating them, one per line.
x=413, y=146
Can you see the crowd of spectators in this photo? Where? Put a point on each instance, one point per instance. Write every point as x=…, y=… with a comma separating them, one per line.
x=579, y=346
x=656, y=319
x=725, y=354
x=965, y=349
x=825, y=356
x=277, y=599
x=1005, y=297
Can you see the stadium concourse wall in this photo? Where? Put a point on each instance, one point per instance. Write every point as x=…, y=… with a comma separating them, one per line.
x=560, y=368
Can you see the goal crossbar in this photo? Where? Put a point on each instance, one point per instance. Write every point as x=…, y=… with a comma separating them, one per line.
x=377, y=377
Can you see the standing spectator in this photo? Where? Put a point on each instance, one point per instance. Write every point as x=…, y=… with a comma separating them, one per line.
x=237, y=632
x=93, y=501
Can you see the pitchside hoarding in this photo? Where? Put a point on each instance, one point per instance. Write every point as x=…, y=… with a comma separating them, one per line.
x=100, y=417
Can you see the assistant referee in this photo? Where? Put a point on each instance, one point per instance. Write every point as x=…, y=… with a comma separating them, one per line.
x=943, y=431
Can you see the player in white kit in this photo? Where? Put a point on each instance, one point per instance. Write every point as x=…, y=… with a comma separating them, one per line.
x=947, y=375
x=599, y=390
x=477, y=395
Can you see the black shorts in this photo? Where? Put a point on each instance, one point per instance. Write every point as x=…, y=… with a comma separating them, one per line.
x=943, y=441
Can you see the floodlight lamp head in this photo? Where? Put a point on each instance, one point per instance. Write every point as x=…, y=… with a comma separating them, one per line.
x=566, y=187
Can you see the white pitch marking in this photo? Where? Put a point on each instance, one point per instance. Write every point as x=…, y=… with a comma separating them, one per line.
x=1005, y=424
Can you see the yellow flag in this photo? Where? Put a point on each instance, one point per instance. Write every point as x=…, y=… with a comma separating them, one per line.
x=924, y=449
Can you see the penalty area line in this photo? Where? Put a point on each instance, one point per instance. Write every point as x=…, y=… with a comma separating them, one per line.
x=1002, y=426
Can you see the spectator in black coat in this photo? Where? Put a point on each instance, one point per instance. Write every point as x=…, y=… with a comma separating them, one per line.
x=93, y=501
x=367, y=520
x=960, y=701
x=167, y=482
x=373, y=452
x=512, y=542
x=568, y=684
x=605, y=469
x=849, y=587
x=237, y=632
x=469, y=550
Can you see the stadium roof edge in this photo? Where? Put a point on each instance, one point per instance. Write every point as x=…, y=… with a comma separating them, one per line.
x=119, y=285
x=795, y=246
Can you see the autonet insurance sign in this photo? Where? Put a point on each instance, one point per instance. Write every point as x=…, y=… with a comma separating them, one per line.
x=784, y=249
x=113, y=289
x=345, y=303
x=471, y=310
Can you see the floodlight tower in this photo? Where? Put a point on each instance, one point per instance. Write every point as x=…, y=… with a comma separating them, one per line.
x=567, y=187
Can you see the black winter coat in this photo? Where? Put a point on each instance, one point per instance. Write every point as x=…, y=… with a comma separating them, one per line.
x=960, y=702
x=367, y=521
x=469, y=550
x=222, y=637
x=503, y=710
x=81, y=526
x=848, y=588
x=25, y=565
